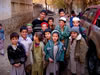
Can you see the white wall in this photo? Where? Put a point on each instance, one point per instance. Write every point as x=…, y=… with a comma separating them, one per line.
x=5, y=9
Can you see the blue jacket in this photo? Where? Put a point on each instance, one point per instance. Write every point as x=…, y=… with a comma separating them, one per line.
x=49, y=51
x=2, y=36
x=71, y=22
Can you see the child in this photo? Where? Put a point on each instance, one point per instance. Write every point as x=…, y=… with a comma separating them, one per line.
x=47, y=34
x=27, y=42
x=38, y=53
x=29, y=27
x=50, y=23
x=16, y=55
x=2, y=38
x=64, y=31
x=76, y=53
x=61, y=12
x=54, y=53
x=76, y=23
x=44, y=26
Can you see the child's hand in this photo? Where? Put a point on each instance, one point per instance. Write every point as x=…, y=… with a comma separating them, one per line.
x=43, y=53
x=17, y=65
x=27, y=53
x=50, y=60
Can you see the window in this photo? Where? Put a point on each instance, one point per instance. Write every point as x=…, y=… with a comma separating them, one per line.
x=85, y=14
x=92, y=15
x=98, y=22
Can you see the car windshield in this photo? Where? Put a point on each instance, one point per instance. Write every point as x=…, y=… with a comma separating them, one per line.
x=98, y=22
x=92, y=15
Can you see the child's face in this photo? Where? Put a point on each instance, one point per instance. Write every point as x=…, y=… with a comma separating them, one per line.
x=48, y=35
x=29, y=29
x=24, y=33
x=55, y=37
x=74, y=35
x=14, y=41
x=76, y=23
x=61, y=23
x=36, y=38
x=62, y=14
x=44, y=27
x=0, y=27
x=50, y=22
x=42, y=15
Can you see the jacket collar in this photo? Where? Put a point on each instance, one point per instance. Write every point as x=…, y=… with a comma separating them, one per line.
x=78, y=37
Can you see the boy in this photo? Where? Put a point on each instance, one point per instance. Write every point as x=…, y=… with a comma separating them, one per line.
x=16, y=55
x=76, y=53
x=76, y=23
x=36, y=24
x=2, y=38
x=29, y=27
x=71, y=18
x=54, y=53
x=64, y=31
x=47, y=35
x=61, y=12
x=44, y=26
x=27, y=42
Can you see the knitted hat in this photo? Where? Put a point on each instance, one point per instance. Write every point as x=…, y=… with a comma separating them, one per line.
x=75, y=29
x=44, y=23
x=76, y=19
x=62, y=19
x=29, y=24
x=55, y=31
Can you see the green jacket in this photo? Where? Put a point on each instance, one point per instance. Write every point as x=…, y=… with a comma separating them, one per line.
x=49, y=51
x=64, y=35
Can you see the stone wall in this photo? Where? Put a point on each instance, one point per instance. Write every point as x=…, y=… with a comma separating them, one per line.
x=5, y=9
x=21, y=12
x=36, y=9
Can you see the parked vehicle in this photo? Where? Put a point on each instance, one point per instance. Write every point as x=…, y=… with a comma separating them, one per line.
x=91, y=21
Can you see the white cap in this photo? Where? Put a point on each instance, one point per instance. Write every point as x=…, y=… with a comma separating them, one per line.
x=76, y=19
x=63, y=19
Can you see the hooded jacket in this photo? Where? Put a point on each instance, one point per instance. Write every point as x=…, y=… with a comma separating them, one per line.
x=80, y=49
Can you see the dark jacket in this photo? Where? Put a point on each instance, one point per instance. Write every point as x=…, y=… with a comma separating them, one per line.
x=18, y=55
x=36, y=25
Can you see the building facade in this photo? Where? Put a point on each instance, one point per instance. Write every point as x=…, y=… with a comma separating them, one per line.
x=14, y=13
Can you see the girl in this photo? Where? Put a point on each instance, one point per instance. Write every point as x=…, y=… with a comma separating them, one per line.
x=38, y=53
x=16, y=55
x=54, y=53
x=76, y=53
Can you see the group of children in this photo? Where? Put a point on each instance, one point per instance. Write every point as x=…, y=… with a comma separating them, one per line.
x=45, y=51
